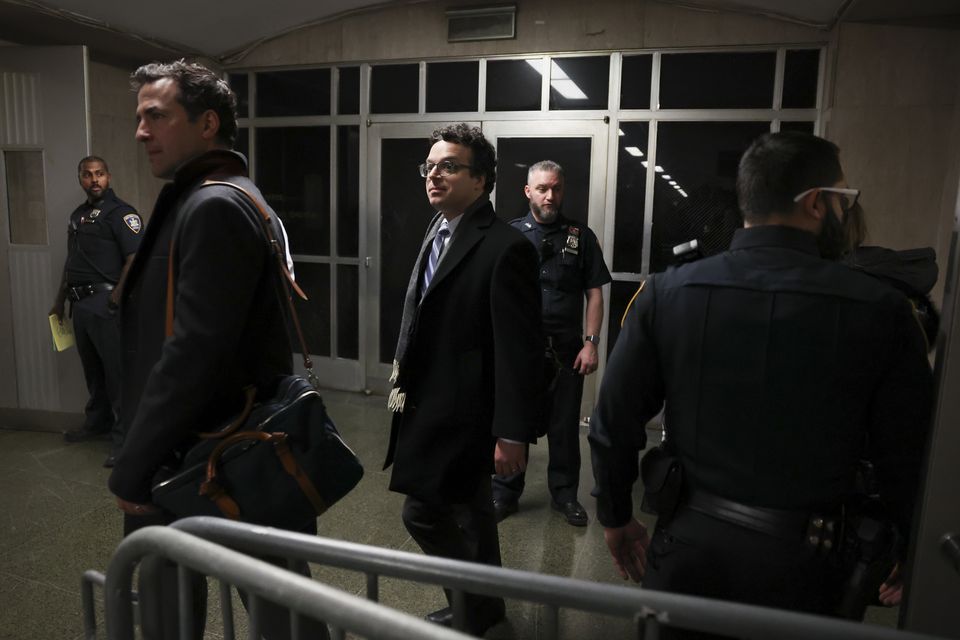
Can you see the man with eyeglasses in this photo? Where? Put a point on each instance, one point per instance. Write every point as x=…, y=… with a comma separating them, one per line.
x=776, y=368
x=468, y=359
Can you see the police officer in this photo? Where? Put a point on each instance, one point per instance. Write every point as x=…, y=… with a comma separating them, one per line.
x=776, y=367
x=571, y=270
x=103, y=236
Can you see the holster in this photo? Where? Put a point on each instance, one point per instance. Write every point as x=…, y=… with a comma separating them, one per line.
x=662, y=476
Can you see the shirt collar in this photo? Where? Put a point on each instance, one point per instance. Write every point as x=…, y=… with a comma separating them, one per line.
x=775, y=235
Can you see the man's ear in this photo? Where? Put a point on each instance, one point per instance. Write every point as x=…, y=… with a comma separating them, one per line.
x=211, y=124
x=812, y=205
x=526, y=191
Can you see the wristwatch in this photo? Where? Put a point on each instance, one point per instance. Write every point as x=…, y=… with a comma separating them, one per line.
x=594, y=339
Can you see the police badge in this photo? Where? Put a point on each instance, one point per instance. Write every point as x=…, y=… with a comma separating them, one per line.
x=573, y=241
x=93, y=214
x=133, y=221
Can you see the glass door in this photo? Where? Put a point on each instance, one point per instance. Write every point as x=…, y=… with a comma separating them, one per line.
x=580, y=147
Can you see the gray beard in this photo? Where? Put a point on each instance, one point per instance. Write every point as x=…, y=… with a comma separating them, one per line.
x=543, y=218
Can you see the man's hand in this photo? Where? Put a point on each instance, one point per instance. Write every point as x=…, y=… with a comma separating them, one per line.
x=628, y=546
x=891, y=591
x=509, y=457
x=135, y=509
x=587, y=359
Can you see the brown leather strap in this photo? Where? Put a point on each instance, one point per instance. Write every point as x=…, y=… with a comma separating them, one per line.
x=213, y=490
x=290, y=465
x=250, y=393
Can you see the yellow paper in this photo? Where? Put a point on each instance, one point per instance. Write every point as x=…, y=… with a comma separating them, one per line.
x=62, y=333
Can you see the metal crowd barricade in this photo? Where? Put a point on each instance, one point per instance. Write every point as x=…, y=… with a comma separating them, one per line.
x=650, y=610
x=260, y=580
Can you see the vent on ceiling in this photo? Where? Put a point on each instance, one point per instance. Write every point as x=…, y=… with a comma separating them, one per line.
x=482, y=23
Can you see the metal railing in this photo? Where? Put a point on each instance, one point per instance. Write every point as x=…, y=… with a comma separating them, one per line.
x=204, y=551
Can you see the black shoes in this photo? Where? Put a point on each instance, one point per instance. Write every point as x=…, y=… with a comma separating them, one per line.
x=489, y=612
x=502, y=509
x=573, y=511
x=110, y=461
x=84, y=434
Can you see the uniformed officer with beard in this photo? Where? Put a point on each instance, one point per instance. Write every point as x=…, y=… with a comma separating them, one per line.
x=776, y=369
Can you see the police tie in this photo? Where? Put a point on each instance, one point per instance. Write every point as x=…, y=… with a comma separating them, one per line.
x=435, y=251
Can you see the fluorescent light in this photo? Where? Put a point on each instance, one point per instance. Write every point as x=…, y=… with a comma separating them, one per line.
x=620, y=131
x=658, y=169
x=645, y=164
x=634, y=151
x=563, y=85
x=666, y=177
x=673, y=183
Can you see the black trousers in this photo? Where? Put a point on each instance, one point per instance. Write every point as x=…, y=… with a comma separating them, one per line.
x=695, y=554
x=465, y=531
x=563, y=438
x=158, y=595
x=98, y=344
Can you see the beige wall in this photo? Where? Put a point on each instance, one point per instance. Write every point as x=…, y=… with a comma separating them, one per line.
x=112, y=127
x=896, y=117
x=419, y=30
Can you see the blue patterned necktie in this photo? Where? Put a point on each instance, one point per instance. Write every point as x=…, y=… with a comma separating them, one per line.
x=435, y=251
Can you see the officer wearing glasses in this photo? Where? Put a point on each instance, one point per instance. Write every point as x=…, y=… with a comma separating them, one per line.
x=777, y=369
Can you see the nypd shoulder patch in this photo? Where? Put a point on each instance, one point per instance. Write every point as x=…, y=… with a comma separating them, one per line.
x=132, y=220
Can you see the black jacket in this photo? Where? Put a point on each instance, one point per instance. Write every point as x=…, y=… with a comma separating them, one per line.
x=228, y=325
x=778, y=369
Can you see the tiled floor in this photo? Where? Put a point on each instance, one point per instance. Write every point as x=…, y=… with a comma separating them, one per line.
x=58, y=519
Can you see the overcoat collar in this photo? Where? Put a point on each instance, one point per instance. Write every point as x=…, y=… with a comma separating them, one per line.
x=478, y=217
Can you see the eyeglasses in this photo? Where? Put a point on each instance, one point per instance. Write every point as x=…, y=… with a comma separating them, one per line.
x=445, y=167
x=848, y=197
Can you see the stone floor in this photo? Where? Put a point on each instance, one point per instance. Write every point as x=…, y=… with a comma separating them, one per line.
x=57, y=519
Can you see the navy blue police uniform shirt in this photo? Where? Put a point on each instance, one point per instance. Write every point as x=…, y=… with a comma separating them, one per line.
x=100, y=237
x=778, y=370
x=570, y=263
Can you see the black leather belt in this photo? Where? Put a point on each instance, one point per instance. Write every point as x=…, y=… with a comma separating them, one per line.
x=81, y=291
x=817, y=530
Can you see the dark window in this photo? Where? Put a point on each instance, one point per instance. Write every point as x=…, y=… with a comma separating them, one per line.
x=452, y=86
x=348, y=93
x=717, y=80
x=293, y=93
x=314, y=313
x=800, y=73
x=632, y=160
x=243, y=142
x=635, y=82
x=240, y=84
x=348, y=311
x=293, y=172
x=806, y=127
x=621, y=293
x=394, y=88
x=348, y=191
x=514, y=85
x=580, y=83
x=702, y=159
x=404, y=215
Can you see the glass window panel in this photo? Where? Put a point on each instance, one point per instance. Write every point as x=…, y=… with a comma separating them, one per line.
x=243, y=142
x=404, y=215
x=348, y=191
x=702, y=158
x=293, y=172
x=631, y=195
x=514, y=157
x=452, y=86
x=314, y=313
x=801, y=71
x=635, y=80
x=348, y=93
x=621, y=292
x=805, y=127
x=240, y=84
x=580, y=83
x=394, y=88
x=514, y=85
x=293, y=93
x=348, y=311
x=717, y=80
x=26, y=204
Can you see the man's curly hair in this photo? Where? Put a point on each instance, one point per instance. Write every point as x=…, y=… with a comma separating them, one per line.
x=484, y=155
